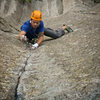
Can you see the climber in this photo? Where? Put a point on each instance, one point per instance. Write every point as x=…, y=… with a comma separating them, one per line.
x=33, y=30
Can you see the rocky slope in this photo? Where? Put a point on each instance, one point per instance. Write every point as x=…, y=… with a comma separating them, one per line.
x=67, y=68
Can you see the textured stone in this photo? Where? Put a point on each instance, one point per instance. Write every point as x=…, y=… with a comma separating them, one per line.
x=67, y=68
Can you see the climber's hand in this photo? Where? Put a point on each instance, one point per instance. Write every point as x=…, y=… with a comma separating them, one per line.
x=34, y=46
x=23, y=38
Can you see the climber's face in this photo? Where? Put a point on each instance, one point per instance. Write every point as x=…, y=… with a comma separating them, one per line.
x=35, y=23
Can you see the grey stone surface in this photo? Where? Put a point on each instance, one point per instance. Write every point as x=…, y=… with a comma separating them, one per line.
x=67, y=68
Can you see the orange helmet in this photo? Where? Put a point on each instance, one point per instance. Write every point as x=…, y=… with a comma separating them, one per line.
x=36, y=15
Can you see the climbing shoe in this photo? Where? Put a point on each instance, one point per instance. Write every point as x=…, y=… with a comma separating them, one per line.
x=69, y=29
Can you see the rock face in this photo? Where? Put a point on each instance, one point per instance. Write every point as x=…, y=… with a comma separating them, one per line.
x=11, y=54
x=16, y=12
x=67, y=68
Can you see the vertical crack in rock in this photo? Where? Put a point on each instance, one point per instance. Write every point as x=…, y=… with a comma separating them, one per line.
x=18, y=95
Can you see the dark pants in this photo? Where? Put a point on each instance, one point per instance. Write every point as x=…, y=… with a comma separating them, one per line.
x=53, y=33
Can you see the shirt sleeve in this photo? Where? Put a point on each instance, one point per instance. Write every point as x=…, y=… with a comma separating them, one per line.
x=24, y=27
x=42, y=27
